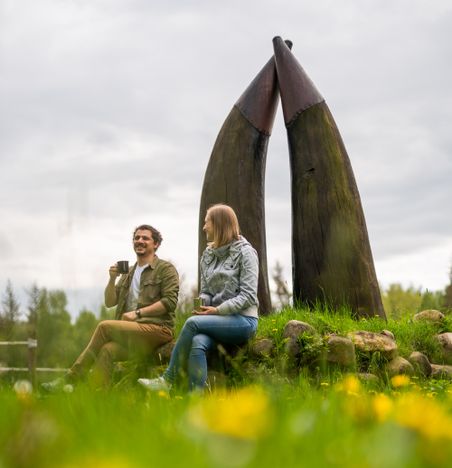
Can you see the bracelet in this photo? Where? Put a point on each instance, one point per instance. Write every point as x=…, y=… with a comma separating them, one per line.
x=138, y=313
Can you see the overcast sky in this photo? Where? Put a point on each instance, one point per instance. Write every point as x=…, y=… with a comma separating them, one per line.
x=109, y=110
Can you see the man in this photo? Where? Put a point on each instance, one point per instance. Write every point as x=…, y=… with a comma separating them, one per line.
x=145, y=299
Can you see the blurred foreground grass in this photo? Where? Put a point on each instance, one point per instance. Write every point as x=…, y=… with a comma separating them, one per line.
x=407, y=423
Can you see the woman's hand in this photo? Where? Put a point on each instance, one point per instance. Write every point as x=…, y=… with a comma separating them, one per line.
x=206, y=310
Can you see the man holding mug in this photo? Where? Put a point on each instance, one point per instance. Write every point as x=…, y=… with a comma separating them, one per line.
x=145, y=298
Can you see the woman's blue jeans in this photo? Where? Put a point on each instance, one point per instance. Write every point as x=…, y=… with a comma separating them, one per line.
x=200, y=334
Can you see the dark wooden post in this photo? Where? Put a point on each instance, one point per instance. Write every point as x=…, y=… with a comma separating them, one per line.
x=332, y=259
x=32, y=348
x=235, y=174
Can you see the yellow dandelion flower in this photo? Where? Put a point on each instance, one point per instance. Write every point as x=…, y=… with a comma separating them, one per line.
x=424, y=415
x=244, y=414
x=163, y=394
x=382, y=406
x=400, y=380
x=357, y=408
x=350, y=385
x=274, y=330
x=324, y=384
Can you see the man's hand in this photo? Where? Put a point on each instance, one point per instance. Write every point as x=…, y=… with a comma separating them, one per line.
x=129, y=316
x=113, y=272
x=206, y=310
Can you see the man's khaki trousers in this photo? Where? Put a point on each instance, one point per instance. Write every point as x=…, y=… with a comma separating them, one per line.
x=117, y=340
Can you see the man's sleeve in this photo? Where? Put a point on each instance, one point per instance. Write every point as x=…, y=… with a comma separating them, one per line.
x=118, y=286
x=170, y=287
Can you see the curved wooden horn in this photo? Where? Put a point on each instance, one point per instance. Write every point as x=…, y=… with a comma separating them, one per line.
x=332, y=259
x=235, y=174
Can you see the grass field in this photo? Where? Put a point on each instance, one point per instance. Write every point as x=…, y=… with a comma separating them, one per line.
x=269, y=420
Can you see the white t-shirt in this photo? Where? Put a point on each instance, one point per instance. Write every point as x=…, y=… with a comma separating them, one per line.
x=134, y=290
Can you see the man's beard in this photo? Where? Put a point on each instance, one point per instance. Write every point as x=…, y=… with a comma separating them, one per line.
x=142, y=252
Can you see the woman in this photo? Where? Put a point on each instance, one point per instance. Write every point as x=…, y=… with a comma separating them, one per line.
x=229, y=272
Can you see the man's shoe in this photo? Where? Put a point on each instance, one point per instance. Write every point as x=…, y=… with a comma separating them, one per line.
x=58, y=385
x=155, y=384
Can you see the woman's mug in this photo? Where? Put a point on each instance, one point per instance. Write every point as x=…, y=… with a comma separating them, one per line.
x=197, y=303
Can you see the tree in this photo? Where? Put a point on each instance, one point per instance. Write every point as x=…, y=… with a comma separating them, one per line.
x=432, y=300
x=448, y=292
x=10, y=312
x=106, y=313
x=282, y=291
x=54, y=330
x=83, y=329
x=187, y=294
x=399, y=301
x=34, y=301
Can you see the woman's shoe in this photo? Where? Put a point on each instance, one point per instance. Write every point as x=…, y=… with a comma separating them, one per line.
x=155, y=384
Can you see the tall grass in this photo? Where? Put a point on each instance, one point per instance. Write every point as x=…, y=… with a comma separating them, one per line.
x=269, y=416
x=282, y=424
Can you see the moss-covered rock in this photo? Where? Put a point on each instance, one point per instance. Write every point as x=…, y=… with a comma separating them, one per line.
x=445, y=340
x=441, y=372
x=340, y=352
x=262, y=347
x=430, y=315
x=399, y=365
x=420, y=363
x=369, y=342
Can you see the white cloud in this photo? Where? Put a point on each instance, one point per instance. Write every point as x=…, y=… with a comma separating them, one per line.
x=110, y=110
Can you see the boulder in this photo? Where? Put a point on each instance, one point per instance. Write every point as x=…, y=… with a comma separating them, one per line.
x=292, y=347
x=445, y=339
x=262, y=347
x=341, y=352
x=441, y=372
x=388, y=334
x=294, y=328
x=368, y=377
x=369, y=342
x=292, y=332
x=399, y=365
x=430, y=315
x=420, y=363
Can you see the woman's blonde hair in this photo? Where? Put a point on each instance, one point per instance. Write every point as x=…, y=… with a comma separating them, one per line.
x=225, y=224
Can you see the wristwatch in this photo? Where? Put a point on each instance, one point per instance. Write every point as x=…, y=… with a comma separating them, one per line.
x=138, y=313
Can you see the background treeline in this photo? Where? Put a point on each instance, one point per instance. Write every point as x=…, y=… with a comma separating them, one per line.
x=46, y=318
x=60, y=340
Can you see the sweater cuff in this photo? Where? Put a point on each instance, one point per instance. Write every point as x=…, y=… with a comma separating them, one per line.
x=223, y=309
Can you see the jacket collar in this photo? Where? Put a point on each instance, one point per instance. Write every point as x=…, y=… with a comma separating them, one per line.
x=233, y=249
x=152, y=264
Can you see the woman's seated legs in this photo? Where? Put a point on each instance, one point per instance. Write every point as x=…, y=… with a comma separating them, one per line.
x=227, y=329
x=197, y=360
